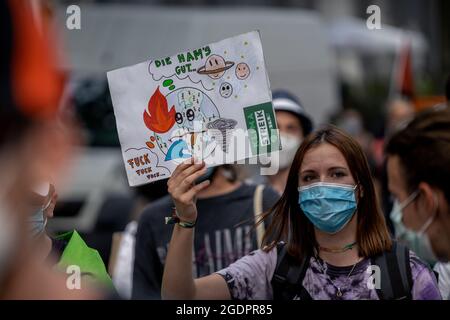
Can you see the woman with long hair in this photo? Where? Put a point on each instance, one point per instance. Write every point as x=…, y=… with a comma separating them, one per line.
x=327, y=238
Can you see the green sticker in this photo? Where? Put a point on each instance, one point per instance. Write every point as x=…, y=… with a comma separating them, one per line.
x=262, y=128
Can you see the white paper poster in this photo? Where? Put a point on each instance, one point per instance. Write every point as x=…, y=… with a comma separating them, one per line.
x=212, y=102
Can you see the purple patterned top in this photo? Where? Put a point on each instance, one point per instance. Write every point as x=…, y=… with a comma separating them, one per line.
x=249, y=279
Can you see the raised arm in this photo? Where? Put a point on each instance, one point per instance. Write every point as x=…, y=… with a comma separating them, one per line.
x=178, y=282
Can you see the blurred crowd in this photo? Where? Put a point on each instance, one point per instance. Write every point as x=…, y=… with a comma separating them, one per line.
x=409, y=164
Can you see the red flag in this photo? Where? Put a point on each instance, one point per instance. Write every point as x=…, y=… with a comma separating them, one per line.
x=403, y=82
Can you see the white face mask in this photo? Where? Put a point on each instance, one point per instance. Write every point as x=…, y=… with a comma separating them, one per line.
x=417, y=241
x=38, y=220
x=285, y=156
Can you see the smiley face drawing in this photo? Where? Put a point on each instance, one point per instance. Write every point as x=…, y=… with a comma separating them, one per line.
x=242, y=71
x=225, y=90
x=215, y=66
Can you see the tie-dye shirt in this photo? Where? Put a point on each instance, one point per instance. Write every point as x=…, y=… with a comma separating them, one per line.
x=250, y=277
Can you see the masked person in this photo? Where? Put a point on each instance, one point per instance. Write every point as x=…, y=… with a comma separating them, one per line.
x=294, y=124
x=225, y=233
x=399, y=111
x=336, y=233
x=66, y=249
x=34, y=142
x=419, y=171
x=121, y=267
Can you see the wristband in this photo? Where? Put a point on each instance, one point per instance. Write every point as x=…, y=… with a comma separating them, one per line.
x=174, y=219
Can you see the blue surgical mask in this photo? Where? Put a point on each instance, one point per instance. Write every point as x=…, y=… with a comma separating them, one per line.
x=418, y=241
x=38, y=221
x=329, y=206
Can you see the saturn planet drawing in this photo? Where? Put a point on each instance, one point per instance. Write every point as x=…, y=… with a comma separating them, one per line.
x=215, y=66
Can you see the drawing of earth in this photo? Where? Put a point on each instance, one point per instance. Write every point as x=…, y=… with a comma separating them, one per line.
x=189, y=136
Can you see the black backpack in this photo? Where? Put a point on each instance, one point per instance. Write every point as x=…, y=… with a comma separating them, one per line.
x=395, y=284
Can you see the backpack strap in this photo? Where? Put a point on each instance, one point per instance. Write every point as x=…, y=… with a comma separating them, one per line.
x=288, y=276
x=258, y=212
x=395, y=270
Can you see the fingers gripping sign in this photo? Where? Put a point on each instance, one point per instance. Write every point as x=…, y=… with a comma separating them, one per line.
x=183, y=190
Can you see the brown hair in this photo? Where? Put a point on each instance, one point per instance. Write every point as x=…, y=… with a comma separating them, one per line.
x=288, y=223
x=424, y=150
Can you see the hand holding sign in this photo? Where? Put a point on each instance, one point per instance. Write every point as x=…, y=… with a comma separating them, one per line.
x=209, y=102
x=183, y=190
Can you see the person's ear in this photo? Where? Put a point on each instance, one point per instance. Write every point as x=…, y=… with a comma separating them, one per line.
x=53, y=197
x=427, y=202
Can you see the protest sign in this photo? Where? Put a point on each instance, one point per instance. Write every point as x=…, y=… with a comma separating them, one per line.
x=212, y=102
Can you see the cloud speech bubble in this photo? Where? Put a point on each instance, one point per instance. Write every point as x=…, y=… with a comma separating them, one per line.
x=189, y=64
x=143, y=165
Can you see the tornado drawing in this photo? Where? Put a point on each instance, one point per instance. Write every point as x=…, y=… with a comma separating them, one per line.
x=224, y=126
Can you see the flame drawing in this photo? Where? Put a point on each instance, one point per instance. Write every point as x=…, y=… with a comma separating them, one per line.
x=159, y=118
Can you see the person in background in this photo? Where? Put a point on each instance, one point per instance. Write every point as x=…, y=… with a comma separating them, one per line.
x=224, y=232
x=399, y=112
x=294, y=124
x=122, y=272
x=67, y=249
x=35, y=142
x=351, y=121
x=418, y=167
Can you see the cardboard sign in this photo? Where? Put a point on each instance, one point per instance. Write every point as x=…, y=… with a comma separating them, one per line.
x=212, y=102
